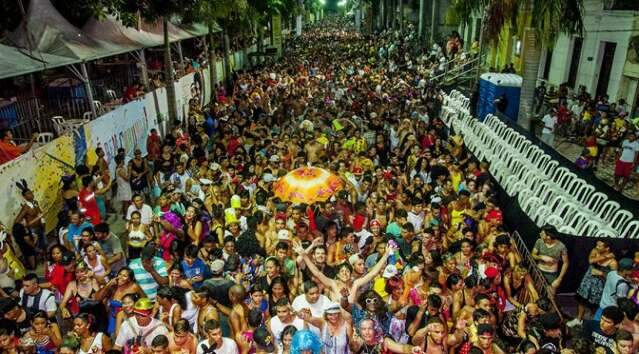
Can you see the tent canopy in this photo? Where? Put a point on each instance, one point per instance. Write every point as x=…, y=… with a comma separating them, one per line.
x=51, y=38
x=112, y=30
x=44, y=30
x=16, y=62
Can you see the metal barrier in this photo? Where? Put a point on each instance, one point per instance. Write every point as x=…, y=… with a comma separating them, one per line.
x=542, y=286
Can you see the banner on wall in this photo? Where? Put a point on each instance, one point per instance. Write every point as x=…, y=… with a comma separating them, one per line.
x=43, y=169
x=125, y=127
x=277, y=34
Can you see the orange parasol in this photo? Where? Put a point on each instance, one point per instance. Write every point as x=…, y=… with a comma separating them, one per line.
x=307, y=185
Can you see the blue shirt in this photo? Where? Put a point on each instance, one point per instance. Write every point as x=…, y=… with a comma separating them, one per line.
x=198, y=268
x=74, y=231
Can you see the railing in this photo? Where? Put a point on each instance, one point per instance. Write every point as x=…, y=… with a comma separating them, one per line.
x=542, y=286
x=458, y=70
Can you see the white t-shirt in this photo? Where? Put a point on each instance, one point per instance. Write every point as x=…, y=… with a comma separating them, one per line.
x=363, y=236
x=629, y=150
x=549, y=124
x=146, y=213
x=228, y=347
x=47, y=301
x=416, y=219
x=131, y=329
x=317, y=309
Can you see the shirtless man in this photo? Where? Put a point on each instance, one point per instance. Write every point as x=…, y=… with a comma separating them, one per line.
x=315, y=151
x=239, y=310
x=206, y=309
x=433, y=339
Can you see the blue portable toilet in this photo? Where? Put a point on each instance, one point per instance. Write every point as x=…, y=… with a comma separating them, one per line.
x=491, y=87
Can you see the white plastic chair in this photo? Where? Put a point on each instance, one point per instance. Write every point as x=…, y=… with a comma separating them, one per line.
x=595, y=201
x=44, y=138
x=98, y=106
x=619, y=220
x=111, y=95
x=607, y=210
x=606, y=232
x=87, y=116
x=59, y=125
x=631, y=230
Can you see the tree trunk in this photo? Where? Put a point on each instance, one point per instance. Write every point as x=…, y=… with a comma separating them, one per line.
x=530, y=72
x=401, y=15
x=260, y=43
x=168, y=72
x=212, y=62
x=227, y=59
x=434, y=21
x=421, y=30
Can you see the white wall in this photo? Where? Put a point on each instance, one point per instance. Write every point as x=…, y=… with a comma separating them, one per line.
x=600, y=26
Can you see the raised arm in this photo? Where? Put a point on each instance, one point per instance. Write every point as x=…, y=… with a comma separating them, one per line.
x=327, y=282
x=373, y=271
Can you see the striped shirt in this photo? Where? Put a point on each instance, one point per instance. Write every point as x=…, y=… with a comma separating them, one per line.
x=145, y=279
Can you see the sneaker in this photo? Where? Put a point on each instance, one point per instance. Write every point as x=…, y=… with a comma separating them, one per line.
x=574, y=322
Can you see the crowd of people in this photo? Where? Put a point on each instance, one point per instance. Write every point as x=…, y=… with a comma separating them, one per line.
x=606, y=130
x=409, y=257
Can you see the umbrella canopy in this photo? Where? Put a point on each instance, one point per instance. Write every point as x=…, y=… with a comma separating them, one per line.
x=307, y=185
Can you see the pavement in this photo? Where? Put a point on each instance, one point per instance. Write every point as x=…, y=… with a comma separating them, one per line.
x=605, y=170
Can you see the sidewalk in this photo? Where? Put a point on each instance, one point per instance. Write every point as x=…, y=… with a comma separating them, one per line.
x=605, y=172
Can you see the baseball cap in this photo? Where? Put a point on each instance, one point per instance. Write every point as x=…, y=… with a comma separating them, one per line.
x=217, y=267
x=375, y=222
x=263, y=339
x=205, y=181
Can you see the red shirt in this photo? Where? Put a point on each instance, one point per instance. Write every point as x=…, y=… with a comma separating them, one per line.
x=9, y=151
x=89, y=206
x=60, y=278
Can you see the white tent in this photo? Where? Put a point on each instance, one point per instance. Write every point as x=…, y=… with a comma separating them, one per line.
x=112, y=30
x=16, y=62
x=45, y=30
x=175, y=32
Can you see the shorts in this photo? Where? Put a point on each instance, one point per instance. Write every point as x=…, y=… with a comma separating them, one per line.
x=623, y=169
x=550, y=276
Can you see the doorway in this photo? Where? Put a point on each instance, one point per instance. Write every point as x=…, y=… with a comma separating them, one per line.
x=574, y=63
x=606, y=67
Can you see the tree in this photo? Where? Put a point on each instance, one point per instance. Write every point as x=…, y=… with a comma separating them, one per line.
x=225, y=13
x=544, y=20
x=151, y=11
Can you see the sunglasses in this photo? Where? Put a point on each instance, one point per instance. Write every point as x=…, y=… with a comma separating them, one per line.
x=371, y=301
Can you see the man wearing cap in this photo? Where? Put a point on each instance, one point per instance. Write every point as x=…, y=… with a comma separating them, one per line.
x=218, y=285
x=139, y=332
x=149, y=270
x=263, y=340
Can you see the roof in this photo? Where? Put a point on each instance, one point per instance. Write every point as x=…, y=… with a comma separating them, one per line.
x=53, y=41
x=16, y=62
